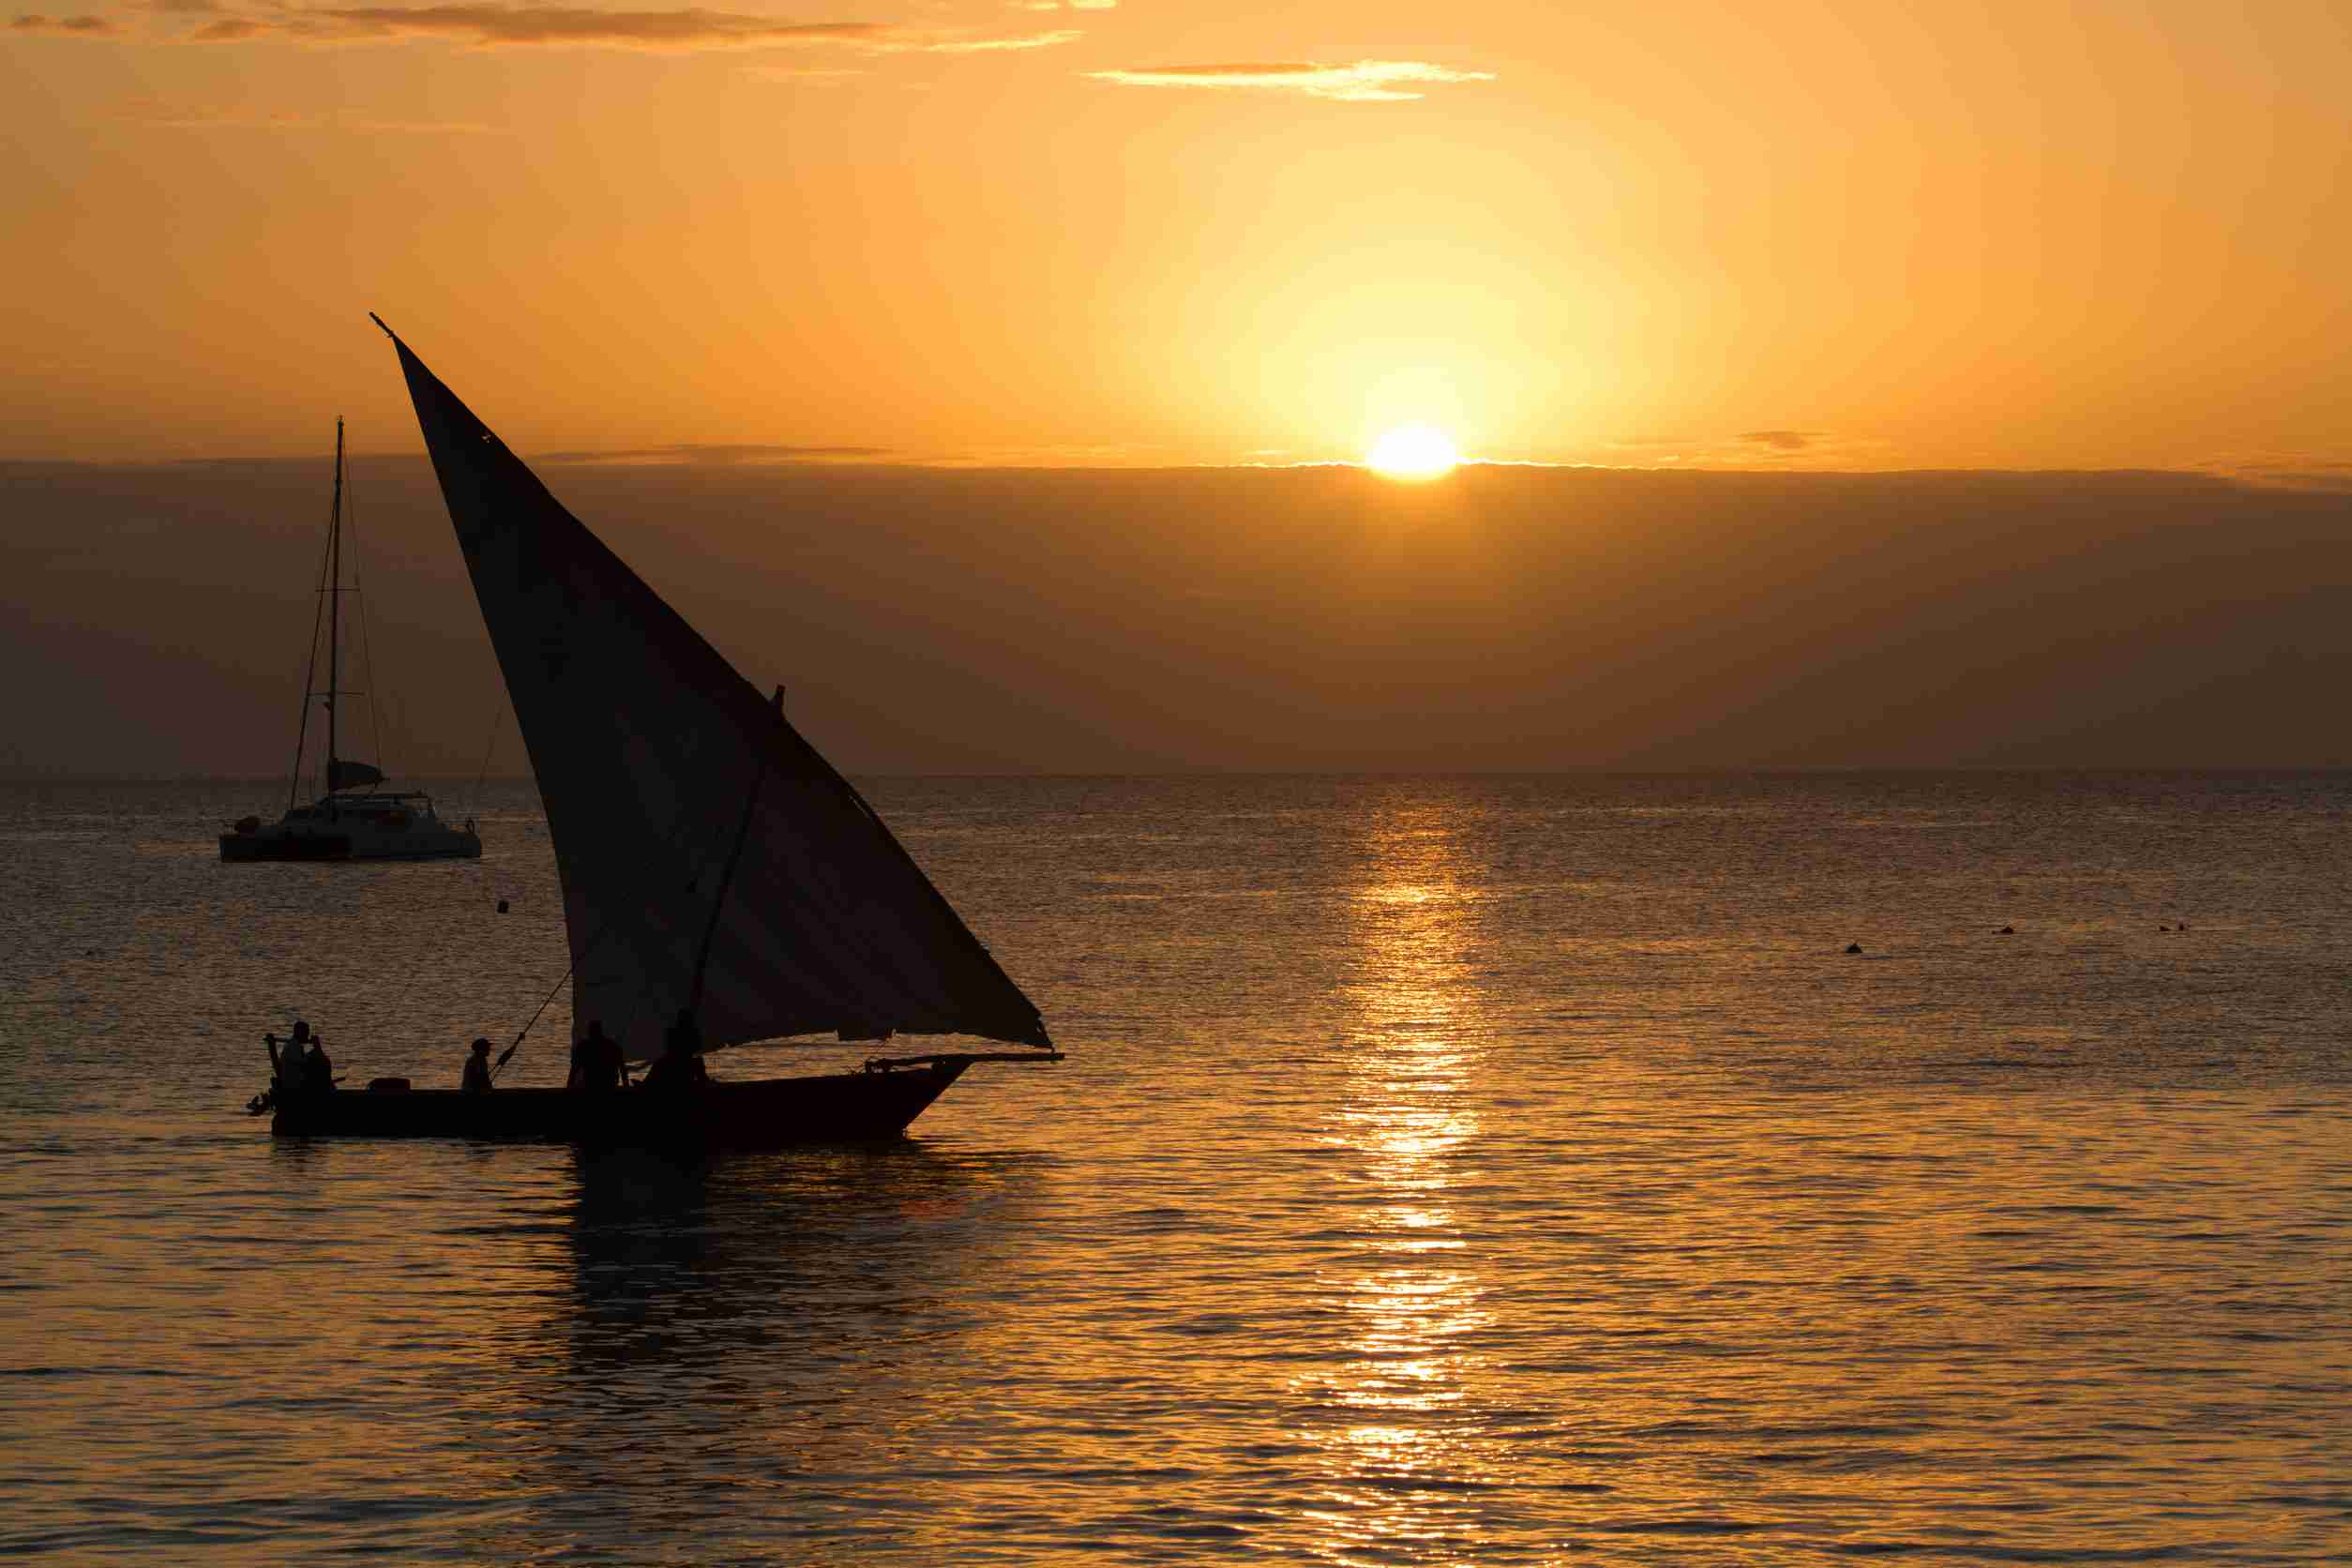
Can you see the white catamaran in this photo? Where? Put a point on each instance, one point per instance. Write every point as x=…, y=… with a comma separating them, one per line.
x=722, y=883
x=372, y=825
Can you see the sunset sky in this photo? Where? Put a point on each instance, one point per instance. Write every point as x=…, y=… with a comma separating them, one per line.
x=1166, y=232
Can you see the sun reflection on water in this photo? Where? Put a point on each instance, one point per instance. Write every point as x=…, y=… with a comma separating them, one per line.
x=1394, y=1422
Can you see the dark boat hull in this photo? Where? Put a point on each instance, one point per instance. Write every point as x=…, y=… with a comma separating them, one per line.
x=767, y=1113
x=325, y=846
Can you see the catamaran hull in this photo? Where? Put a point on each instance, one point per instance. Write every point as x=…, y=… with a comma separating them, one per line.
x=336, y=846
x=769, y=1113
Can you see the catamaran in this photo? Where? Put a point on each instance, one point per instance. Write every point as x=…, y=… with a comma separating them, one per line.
x=716, y=869
x=375, y=825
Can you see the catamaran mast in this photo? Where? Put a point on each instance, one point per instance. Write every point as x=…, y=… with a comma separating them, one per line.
x=334, y=606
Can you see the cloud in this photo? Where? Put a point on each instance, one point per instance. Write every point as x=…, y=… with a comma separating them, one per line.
x=693, y=27
x=1064, y=5
x=2299, y=472
x=1786, y=451
x=981, y=46
x=722, y=455
x=485, y=23
x=1363, y=81
x=70, y=26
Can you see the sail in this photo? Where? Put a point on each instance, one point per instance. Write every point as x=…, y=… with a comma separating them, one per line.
x=670, y=781
x=342, y=774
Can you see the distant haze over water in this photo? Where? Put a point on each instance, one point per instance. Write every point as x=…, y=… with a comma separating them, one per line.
x=1094, y=621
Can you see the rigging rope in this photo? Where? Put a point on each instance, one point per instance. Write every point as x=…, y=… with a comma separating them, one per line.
x=474, y=805
x=693, y=884
x=509, y=1052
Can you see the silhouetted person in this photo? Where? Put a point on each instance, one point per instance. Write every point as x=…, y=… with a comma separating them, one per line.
x=680, y=1064
x=292, y=1060
x=477, y=1070
x=317, y=1067
x=596, y=1061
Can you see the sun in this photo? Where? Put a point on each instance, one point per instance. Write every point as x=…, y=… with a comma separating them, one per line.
x=1414, y=452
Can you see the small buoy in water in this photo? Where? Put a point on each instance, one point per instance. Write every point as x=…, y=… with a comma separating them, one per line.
x=501, y=905
x=2009, y=930
x=1853, y=947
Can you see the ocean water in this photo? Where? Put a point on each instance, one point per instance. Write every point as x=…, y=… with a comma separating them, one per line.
x=1445, y=1169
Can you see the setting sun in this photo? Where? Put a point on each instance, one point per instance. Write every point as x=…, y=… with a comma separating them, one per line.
x=1414, y=452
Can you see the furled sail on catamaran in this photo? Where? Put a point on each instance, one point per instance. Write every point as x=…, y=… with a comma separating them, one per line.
x=713, y=862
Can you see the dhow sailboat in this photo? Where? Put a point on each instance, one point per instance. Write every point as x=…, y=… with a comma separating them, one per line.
x=722, y=883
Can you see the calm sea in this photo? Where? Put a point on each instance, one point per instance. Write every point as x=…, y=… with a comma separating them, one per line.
x=1508, y=1169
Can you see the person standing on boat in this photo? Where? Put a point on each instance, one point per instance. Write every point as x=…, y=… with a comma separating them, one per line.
x=596, y=1061
x=477, y=1070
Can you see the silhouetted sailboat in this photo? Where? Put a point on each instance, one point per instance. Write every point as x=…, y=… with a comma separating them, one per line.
x=714, y=866
x=377, y=824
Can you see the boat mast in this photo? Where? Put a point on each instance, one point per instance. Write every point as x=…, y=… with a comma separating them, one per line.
x=309, y=690
x=334, y=605
x=727, y=876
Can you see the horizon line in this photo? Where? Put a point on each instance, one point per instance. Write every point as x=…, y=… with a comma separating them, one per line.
x=2271, y=476
x=11, y=776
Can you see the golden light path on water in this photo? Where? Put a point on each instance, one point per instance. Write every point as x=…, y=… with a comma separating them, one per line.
x=1396, y=1448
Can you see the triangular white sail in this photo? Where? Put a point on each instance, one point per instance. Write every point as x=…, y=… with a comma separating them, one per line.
x=666, y=776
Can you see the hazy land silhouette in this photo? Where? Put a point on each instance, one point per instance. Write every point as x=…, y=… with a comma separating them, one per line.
x=1042, y=620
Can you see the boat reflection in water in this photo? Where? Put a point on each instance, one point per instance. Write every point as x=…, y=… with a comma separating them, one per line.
x=1399, y=1427
x=734, y=1340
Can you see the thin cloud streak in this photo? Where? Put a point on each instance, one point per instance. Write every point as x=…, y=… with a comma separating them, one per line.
x=484, y=25
x=66, y=26
x=693, y=27
x=720, y=455
x=1781, y=441
x=988, y=46
x=1362, y=81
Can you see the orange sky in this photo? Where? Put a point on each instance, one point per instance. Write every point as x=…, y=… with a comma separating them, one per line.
x=1178, y=231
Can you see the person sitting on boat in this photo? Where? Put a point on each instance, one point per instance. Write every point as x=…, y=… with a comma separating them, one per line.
x=293, y=1070
x=680, y=1064
x=596, y=1061
x=477, y=1070
x=317, y=1066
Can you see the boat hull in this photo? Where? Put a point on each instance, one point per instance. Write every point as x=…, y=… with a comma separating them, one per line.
x=766, y=1113
x=269, y=844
